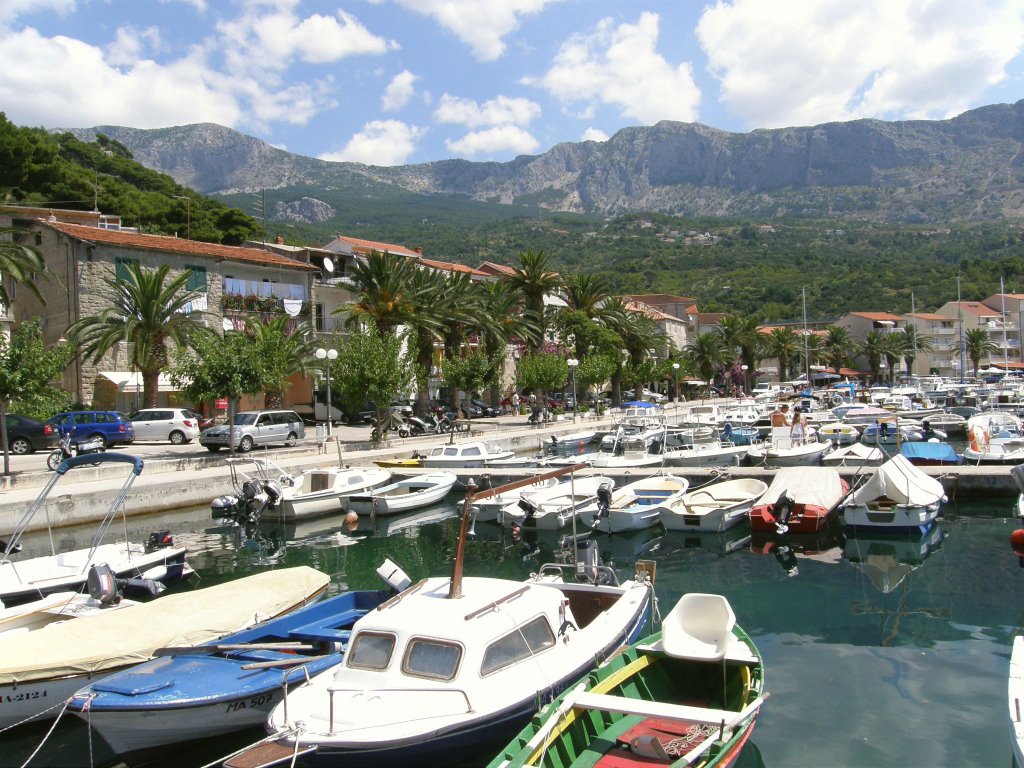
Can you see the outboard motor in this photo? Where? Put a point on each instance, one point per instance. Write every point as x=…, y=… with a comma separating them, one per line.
x=786, y=557
x=103, y=585
x=588, y=561
x=530, y=509
x=159, y=540
x=604, y=500
x=781, y=511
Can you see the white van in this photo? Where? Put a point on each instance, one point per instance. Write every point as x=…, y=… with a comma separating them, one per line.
x=254, y=428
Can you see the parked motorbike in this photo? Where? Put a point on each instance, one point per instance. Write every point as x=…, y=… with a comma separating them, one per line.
x=65, y=449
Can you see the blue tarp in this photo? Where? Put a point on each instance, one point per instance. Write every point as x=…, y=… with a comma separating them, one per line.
x=638, y=404
x=930, y=453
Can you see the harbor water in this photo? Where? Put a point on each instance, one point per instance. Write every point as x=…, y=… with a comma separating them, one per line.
x=879, y=651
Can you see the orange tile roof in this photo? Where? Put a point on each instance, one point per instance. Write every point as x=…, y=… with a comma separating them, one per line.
x=643, y=308
x=449, y=266
x=489, y=267
x=663, y=298
x=365, y=246
x=177, y=245
x=876, y=316
x=979, y=309
x=928, y=316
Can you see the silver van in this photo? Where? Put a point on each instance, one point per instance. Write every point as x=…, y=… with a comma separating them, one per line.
x=254, y=428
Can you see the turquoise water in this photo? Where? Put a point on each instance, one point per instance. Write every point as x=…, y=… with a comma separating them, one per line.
x=879, y=652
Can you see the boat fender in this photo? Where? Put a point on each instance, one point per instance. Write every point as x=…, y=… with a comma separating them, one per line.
x=1017, y=542
x=979, y=438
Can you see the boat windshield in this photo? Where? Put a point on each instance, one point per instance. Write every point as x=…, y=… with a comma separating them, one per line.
x=432, y=658
x=518, y=645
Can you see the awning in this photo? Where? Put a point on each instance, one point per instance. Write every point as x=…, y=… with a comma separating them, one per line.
x=131, y=381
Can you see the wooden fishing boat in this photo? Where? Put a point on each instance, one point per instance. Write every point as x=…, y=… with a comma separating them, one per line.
x=1016, y=695
x=42, y=668
x=715, y=507
x=687, y=696
x=405, y=495
x=469, y=455
x=636, y=505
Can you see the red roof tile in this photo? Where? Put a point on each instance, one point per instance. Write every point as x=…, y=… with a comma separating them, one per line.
x=178, y=245
x=928, y=316
x=979, y=309
x=449, y=266
x=365, y=246
x=876, y=316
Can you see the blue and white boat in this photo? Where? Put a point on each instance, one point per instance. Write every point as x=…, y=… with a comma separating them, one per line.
x=197, y=692
x=899, y=497
x=929, y=454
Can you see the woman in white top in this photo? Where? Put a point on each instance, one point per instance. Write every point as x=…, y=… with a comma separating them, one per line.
x=798, y=427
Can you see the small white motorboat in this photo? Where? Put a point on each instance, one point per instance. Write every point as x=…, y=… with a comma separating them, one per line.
x=405, y=495
x=56, y=607
x=637, y=505
x=782, y=451
x=641, y=449
x=1016, y=698
x=839, y=433
x=715, y=454
x=550, y=509
x=45, y=667
x=994, y=437
x=487, y=510
x=323, y=491
x=469, y=455
x=898, y=497
x=855, y=455
x=715, y=507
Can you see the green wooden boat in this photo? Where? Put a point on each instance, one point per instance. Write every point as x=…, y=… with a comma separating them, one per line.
x=687, y=696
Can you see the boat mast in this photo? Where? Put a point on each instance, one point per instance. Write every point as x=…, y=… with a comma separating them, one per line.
x=913, y=311
x=960, y=324
x=807, y=363
x=1006, y=352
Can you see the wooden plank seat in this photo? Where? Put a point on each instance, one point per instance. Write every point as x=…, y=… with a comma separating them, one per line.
x=657, y=709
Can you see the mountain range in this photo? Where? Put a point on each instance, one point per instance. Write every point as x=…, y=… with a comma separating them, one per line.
x=969, y=168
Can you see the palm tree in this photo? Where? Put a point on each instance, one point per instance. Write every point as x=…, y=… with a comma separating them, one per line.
x=586, y=294
x=463, y=314
x=873, y=348
x=743, y=333
x=425, y=328
x=535, y=279
x=385, y=293
x=500, y=305
x=707, y=354
x=784, y=345
x=892, y=351
x=22, y=263
x=838, y=346
x=915, y=343
x=730, y=329
x=282, y=353
x=978, y=344
x=147, y=311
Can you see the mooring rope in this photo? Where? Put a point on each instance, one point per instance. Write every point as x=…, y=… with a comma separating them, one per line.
x=63, y=705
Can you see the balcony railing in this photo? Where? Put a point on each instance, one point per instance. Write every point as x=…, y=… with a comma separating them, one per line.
x=265, y=305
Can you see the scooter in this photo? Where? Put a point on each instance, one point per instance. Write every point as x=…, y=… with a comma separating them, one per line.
x=65, y=450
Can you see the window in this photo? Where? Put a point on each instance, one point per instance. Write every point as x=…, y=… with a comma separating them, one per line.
x=371, y=650
x=432, y=658
x=196, y=278
x=516, y=646
x=121, y=267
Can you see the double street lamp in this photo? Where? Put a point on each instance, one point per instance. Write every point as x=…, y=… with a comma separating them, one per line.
x=572, y=362
x=328, y=356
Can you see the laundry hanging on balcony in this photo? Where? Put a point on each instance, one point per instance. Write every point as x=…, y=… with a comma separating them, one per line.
x=292, y=307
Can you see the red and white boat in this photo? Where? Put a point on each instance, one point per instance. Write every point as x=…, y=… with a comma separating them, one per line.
x=802, y=498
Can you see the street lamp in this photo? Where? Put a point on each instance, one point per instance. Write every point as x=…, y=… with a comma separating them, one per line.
x=675, y=373
x=327, y=355
x=572, y=362
x=744, y=368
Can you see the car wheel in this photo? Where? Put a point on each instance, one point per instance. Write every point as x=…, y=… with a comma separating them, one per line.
x=101, y=438
x=245, y=445
x=21, y=446
x=291, y=440
x=178, y=438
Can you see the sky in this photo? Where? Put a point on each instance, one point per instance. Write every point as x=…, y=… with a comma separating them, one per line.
x=391, y=82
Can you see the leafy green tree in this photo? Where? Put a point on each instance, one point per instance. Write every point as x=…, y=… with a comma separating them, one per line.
x=707, y=354
x=744, y=335
x=146, y=311
x=221, y=367
x=500, y=303
x=593, y=370
x=281, y=354
x=22, y=264
x=784, y=345
x=386, y=292
x=371, y=366
x=541, y=372
x=469, y=374
x=978, y=344
x=27, y=372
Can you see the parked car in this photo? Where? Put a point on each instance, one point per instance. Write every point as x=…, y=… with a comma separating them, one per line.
x=178, y=425
x=484, y=409
x=115, y=428
x=25, y=435
x=254, y=428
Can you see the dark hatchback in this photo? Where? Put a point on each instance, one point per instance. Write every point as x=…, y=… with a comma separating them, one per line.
x=25, y=435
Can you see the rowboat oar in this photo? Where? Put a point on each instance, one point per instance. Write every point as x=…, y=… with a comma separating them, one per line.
x=200, y=650
x=292, y=662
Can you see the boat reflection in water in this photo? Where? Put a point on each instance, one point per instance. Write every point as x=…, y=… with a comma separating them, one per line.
x=789, y=549
x=720, y=544
x=888, y=560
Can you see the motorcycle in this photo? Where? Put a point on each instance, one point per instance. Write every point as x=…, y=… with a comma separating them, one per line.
x=65, y=449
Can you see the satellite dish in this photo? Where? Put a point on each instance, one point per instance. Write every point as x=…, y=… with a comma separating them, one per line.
x=328, y=264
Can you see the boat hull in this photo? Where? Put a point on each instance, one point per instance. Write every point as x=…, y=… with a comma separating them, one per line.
x=895, y=519
x=404, y=496
x=801, y=456
x=40, y=699
x=1016, y=699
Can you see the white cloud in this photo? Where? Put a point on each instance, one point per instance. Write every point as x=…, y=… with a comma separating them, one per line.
x=594, y=134
x=821, y=60
x=500, y=139
x=12, y=9
x=480, y=24
x=199, y=5
x=499, y=111
x=145, y=95
x=620, y=66
x=380, y=142
x=399, y=91
x=130, y=45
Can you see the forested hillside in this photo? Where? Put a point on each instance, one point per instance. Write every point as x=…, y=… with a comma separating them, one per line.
x=60, y=171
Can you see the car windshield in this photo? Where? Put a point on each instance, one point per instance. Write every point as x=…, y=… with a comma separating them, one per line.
x=244, y=418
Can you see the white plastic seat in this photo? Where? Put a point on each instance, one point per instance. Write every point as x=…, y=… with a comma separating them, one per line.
x=699, y=627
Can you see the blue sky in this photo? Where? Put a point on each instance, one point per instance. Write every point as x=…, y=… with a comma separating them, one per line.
x=388, y=82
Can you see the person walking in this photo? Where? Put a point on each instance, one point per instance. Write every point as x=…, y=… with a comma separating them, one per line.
x=798, y=428
x=515, y=403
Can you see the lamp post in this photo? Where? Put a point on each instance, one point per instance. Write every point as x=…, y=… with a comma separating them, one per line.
x=572, y=362
x=328, y=356
x=744, y=368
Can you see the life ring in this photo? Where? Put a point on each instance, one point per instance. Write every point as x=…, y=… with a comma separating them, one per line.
x=979, y=439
